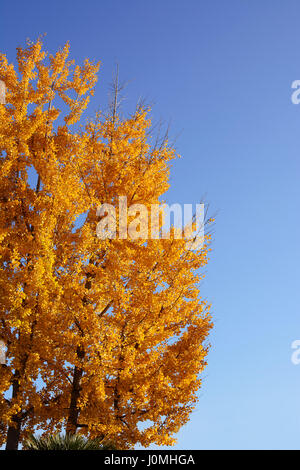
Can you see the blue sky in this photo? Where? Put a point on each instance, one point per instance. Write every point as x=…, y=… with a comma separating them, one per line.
x=221, y=72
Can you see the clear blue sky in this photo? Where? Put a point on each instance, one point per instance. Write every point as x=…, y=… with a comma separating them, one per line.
x=222, y=73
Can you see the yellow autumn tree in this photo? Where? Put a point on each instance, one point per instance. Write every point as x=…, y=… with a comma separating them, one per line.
x=105, y=337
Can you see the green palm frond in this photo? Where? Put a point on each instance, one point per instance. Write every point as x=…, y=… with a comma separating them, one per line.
x=66, y=442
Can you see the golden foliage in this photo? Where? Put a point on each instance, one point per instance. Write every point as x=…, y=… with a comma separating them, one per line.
x=117, y=325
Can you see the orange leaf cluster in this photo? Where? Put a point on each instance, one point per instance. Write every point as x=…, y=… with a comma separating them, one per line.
x=106, y=337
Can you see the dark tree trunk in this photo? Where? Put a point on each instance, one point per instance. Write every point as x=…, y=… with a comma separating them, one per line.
x=72, y=423
x=13, y=433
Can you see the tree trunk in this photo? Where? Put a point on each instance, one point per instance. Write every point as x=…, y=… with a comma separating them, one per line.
x=14, y=430
x=72, y=423
x=13, y=434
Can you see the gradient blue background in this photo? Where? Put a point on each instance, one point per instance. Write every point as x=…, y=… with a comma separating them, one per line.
x=222, y=73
